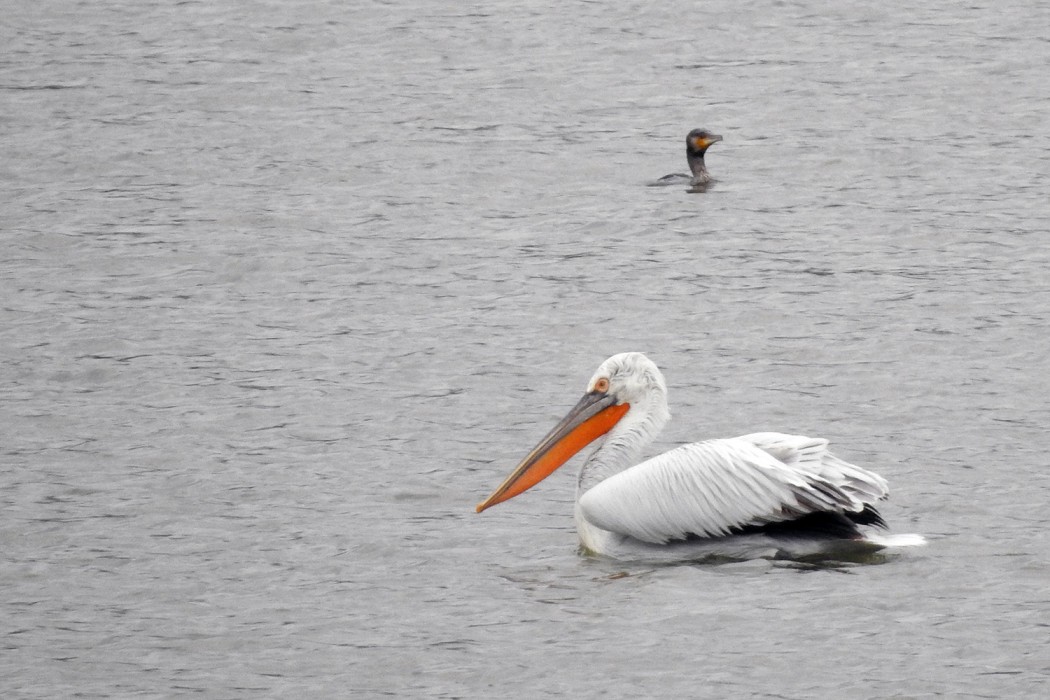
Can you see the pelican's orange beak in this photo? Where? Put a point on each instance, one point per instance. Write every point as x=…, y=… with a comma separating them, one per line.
x=595, y=414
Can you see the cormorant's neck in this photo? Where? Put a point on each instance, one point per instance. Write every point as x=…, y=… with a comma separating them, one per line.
x=697, y=167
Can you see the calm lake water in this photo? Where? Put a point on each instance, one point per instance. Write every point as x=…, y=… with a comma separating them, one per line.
x=289, y=287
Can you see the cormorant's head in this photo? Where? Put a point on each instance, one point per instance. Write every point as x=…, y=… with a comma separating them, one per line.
x=699, y=140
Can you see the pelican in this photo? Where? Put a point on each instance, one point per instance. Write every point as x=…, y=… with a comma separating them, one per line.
x=697, y=142
x=763, y=495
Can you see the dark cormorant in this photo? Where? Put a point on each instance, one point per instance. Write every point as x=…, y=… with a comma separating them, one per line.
x=696, y=144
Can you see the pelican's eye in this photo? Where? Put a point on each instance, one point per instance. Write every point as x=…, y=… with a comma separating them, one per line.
x=602, y=385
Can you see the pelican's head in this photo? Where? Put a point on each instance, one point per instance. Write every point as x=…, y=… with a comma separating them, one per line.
x=631, y=377
x=699, y=140
x=623, y=380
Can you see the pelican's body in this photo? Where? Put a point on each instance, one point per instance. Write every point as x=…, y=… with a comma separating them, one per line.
x=696, y=144
x=762, y=495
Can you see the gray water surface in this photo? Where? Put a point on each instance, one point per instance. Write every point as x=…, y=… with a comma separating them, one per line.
x=289, y=287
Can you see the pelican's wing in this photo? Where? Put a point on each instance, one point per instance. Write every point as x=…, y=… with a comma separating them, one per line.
x=811, y=455
x=712, y=488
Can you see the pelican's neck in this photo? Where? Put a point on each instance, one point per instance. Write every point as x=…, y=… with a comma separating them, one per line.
x=623, y=445
x=697, y=167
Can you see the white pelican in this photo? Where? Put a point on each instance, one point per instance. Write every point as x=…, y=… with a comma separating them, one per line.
x=763, y=495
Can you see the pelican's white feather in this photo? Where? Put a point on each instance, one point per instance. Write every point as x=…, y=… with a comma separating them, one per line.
x=711, y=488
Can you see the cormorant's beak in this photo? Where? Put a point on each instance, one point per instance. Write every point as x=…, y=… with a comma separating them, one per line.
x=595, y=415
x=702, y=143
